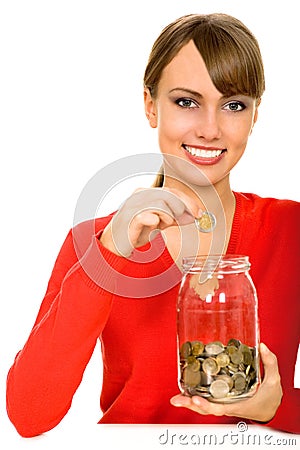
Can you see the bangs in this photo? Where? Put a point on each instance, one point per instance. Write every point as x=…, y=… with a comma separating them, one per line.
x=229, y=49
x=233, y=65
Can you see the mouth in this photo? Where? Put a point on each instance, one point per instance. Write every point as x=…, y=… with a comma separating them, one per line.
x=204, y=155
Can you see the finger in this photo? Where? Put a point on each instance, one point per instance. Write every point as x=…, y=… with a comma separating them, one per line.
x=198, y=404
x=146, y=225
x=181, y=401
x=183, y=208
x=152, y=218
x=172, y=200
x=141, y=227
x=185, y=219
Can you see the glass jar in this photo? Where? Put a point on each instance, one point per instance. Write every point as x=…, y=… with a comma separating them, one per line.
x=218, y=332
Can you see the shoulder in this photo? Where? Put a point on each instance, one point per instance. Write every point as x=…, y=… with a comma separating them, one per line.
x=267, y=205
x=83, y=232
x=269, y=216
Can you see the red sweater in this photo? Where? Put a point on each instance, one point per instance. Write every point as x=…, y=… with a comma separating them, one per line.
x=86, y=300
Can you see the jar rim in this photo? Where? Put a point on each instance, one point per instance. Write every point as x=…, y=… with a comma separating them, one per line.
x=216, y=263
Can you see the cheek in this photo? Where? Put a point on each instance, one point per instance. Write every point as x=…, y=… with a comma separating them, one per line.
x=168, y=131
x=238, y=134
x=173, y=126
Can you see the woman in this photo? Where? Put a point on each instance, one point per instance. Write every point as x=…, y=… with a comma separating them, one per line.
x=202, y=88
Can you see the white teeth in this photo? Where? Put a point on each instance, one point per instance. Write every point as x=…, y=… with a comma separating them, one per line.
x=203, y=153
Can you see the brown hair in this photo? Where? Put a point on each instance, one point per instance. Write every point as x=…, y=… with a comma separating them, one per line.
x=229, y=49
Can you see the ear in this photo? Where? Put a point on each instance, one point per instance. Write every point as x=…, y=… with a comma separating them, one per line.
x=255, y=113
x=258, y=102
x=150, y=108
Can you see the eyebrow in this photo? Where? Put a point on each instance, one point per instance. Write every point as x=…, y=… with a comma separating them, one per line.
x=198, y=95
x=188, y=91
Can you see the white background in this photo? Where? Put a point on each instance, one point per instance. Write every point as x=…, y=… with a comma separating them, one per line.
x=70, y=103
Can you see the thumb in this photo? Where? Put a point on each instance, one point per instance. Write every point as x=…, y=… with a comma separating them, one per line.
x=269, y=361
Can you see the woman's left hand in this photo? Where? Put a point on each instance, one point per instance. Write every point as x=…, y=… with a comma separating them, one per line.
x=261, y=407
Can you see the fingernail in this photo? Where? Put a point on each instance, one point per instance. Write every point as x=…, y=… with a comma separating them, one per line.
x=263, y=347
x=175, y=402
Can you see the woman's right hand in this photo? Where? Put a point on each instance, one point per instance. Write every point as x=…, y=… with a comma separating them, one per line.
x=143, y=214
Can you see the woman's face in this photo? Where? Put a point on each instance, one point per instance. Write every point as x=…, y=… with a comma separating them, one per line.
x=195, y=122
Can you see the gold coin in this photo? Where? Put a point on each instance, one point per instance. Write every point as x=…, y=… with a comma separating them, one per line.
x=185, y=349
x=222, y=359
x=206, y=222
x=197, y=348
x=193, y=363
x=219, y=389
x=231, y=349
x=210, y=366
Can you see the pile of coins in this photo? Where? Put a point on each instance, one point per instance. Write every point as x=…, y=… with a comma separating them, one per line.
x=216, y=371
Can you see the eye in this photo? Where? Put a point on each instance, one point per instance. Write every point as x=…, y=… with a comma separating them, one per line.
x=235, y=106
x=186, y=103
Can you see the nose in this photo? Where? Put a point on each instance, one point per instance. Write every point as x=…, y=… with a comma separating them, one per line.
x=208, y=127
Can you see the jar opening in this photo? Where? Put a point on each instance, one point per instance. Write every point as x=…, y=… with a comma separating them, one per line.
x=216, y=263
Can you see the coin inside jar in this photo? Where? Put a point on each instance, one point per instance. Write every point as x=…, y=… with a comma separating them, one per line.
x=233, y=342
x=214, y=348
x=222, y=359
x=186, y=349
x=191, y=378
x=239, y=380
x=236, y=357
x=210, y=366
x=193, y=364
x=227, y=380
x=219, y=388
x=247, y=356
x=197, y=348
x=203, y=364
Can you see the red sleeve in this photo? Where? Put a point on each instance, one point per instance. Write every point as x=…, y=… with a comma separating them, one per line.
x=48, y=370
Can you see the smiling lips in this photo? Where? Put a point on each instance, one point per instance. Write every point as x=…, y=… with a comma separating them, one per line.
x=204, y=155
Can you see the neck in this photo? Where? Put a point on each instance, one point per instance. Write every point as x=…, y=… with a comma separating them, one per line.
x=217, y=199
x=209, y=197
